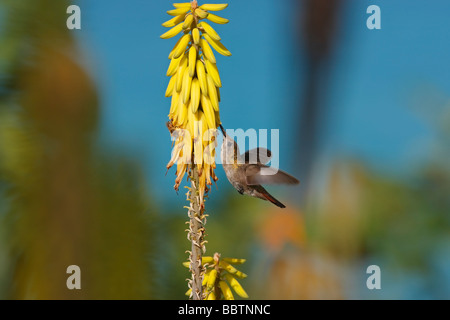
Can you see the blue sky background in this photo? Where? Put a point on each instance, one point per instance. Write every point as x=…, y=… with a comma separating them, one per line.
x=375, y=76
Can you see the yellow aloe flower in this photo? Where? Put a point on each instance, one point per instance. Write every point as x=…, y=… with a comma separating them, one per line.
x=220, y=278
x=194, y=89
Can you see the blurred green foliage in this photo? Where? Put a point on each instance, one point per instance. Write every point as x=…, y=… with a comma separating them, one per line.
x=63, y=202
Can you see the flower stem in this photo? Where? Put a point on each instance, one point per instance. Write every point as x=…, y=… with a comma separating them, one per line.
x=196, y=236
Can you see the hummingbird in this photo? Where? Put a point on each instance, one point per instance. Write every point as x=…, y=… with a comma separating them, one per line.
x=247, y=178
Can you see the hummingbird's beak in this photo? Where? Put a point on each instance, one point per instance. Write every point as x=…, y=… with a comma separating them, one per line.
x=223, y=131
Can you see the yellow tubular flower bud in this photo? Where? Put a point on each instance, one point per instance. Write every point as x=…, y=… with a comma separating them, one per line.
x=198, y=128
x=198, y=146
x=188, y=21
x=174, y=103
x=172, y=32
x=228, y=267
x=186, y=89
x=192, y=60
x=214, y=7
x=206, y=277
x=209, y=30
x=216, y=19
x=182, y=5
x=182, y=112
x=234, y=260
x=209, y=150
x=207, y=259
x=195, y=95
x=204, y=126
x=179, y=11
x=201, y=13
x=180, y=73
x=212, y=70
x=201, y=75
x=173, y=66
x=236, y=286
x=211, y=296
x=173, y=22
x=181, y=47
x=217, y=45
x=209, y=112
x=207, y=51
x=211, y=280
x=212, y=92
x=196, y=36
x=191, y=121
x=169, y=90
x=173, y=50
x=228, y=295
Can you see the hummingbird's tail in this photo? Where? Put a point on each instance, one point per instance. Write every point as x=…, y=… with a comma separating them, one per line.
x=273, y=200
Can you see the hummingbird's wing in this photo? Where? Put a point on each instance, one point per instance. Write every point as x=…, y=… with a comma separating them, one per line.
x=257, y=155
x=255, y=176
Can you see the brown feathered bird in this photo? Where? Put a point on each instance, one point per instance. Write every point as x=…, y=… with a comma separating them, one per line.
x=248, y=171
